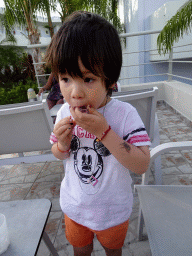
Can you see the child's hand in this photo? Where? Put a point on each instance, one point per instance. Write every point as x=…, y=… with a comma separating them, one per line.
x=63, y=132
x=93, y=122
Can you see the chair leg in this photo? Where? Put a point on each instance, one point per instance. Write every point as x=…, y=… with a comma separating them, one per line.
x=49, y=244
x=158, y=171
x=140, y=225
x=145, y=177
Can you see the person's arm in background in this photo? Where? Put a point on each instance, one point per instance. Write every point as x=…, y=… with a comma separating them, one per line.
x=48, y=84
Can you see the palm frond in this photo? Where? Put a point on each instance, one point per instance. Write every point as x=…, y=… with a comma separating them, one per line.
x=105, y=8
x=175, y=28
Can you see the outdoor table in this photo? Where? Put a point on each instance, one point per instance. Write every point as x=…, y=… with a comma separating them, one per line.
x=167, y=212
x=26, y=221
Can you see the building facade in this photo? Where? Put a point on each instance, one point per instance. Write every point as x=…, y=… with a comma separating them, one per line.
x=146, y=15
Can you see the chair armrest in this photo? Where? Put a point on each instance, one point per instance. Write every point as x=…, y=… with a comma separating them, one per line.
x=156, y=139
x=164, y=148
x=170, y=146
x=118, y=87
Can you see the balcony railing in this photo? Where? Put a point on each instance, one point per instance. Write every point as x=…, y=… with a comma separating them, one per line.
x=142, y=63
x=146, y=65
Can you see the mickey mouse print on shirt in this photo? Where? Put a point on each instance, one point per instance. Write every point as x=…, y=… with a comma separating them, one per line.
x=88, y=162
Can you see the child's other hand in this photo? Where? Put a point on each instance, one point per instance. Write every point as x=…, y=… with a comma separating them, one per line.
x=63, y=132
x=93, y=122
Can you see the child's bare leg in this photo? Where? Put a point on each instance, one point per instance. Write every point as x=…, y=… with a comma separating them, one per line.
x=113, y=252
x=83, y=251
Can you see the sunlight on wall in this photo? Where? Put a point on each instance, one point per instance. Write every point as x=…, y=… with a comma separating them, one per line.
x=121, y=11
x=134, y=6
x=2, y=3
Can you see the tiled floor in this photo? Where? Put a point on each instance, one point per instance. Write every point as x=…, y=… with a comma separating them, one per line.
x=42, y=180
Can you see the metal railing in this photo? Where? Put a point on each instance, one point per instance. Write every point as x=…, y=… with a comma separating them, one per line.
x=146, y=69
x=40, y=82
x=165, y=67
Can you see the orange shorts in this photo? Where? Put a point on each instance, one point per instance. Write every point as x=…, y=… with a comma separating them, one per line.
x=80, y=236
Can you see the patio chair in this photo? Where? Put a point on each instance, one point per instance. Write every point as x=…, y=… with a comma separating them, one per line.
x=145, y=102
x=167, y=201
x=25, y=127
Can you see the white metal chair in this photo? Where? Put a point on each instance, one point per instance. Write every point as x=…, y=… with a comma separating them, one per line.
x=145, y=102
x=25, y=127
x=154, y=153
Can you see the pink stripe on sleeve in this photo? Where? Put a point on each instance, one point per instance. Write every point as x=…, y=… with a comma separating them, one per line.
x=139, y=138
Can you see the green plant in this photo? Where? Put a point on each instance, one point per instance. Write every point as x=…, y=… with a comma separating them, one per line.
x=15, y=66
x=105, y=8
x=18, y=93
x=10, y=55
x=179, y=24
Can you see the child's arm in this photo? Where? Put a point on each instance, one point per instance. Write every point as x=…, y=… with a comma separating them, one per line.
x=58, y=154
x=63, y=133
x=136, y=159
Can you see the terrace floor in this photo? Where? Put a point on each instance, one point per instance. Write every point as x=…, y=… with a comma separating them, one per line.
x=42, y=180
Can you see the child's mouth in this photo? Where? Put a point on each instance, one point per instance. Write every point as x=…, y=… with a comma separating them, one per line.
x=83, y=109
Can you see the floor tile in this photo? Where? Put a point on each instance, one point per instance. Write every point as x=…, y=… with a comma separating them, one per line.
x=12, y=192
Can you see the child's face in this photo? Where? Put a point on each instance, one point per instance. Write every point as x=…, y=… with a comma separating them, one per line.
x=81, y=92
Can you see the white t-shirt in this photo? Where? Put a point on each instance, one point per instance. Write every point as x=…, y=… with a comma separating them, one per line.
x=96, y=190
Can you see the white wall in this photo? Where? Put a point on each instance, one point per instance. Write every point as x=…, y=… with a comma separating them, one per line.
x=137, y=16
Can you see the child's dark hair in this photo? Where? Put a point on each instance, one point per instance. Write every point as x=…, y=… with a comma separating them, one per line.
x=91, y=38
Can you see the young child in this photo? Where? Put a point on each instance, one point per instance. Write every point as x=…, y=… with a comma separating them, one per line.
x=101, y=138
